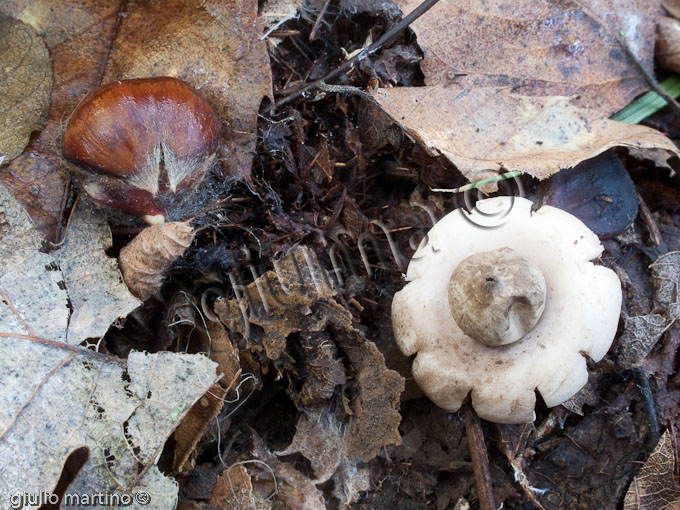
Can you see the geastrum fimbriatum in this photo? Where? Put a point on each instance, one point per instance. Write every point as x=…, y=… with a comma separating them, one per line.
x=498, y=313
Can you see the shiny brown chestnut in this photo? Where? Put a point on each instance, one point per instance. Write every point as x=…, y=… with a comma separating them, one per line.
x=140, y=146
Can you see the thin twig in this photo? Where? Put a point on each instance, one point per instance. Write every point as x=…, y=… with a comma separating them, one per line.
x=648, y=399
x=654, y=231
x=66, y=347
x=387, y=36
x=480, y=460
x=312, y=34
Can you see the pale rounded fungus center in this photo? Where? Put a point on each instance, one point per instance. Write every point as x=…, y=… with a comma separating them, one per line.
x=499, y=313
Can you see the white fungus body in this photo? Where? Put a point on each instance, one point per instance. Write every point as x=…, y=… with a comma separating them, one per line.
x=581, y=314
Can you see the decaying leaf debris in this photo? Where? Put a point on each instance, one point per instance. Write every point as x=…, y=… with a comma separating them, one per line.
x=296, y=300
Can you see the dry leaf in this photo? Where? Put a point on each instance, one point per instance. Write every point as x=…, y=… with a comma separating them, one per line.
x=295, y=490
x=640, y=335
x=95, y=288
x=667, y=49
x=25, y=85
x=145, y=259
x=75, y=33
x=540, y=48
x=666, y=279
x=655, y=487
x=480, y=129
x=322, y=440
x=213, y=45
x=57, y=398
x=194, y=425
x=234, y=490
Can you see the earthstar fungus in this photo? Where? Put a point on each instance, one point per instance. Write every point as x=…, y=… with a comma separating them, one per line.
x=499, y=312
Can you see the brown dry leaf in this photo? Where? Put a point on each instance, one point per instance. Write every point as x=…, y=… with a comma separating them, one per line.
x=234, y=490
x=480, y=129
x=295, y=490
x=320, y=438
x=655, y=487
x=194, y=425
x=145, y=259
x=540, y=48
x=25, y=85
x=672, y=7
x=212, y=44
x=667, y=49
x=666, y=280
x=57, y=397
x=75, y=33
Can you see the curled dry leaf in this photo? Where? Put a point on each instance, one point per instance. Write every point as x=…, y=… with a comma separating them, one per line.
x=667, y=49
x=144, y=261
x=540, y=48
x=25, y=85
x=295, y=489
x=322, y=440
x=655, y=487
x=480, y=129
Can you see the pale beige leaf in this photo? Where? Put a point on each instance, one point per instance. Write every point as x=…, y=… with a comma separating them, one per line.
x=25, y=85
x=93, y=281
x=666, y=279
x=640, y=335
x=57, y=398
x=480, y=129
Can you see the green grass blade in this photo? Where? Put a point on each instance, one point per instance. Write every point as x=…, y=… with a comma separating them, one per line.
x=648, y=104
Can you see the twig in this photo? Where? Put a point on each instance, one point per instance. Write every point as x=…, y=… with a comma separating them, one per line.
x=651, y=225
x=66, y=347
x=648, y=399
x=387, y=36
x=312, y=34
x=346, y=89
x=480, y=460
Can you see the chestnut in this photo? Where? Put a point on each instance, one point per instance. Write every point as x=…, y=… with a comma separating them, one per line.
x=140, y=146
